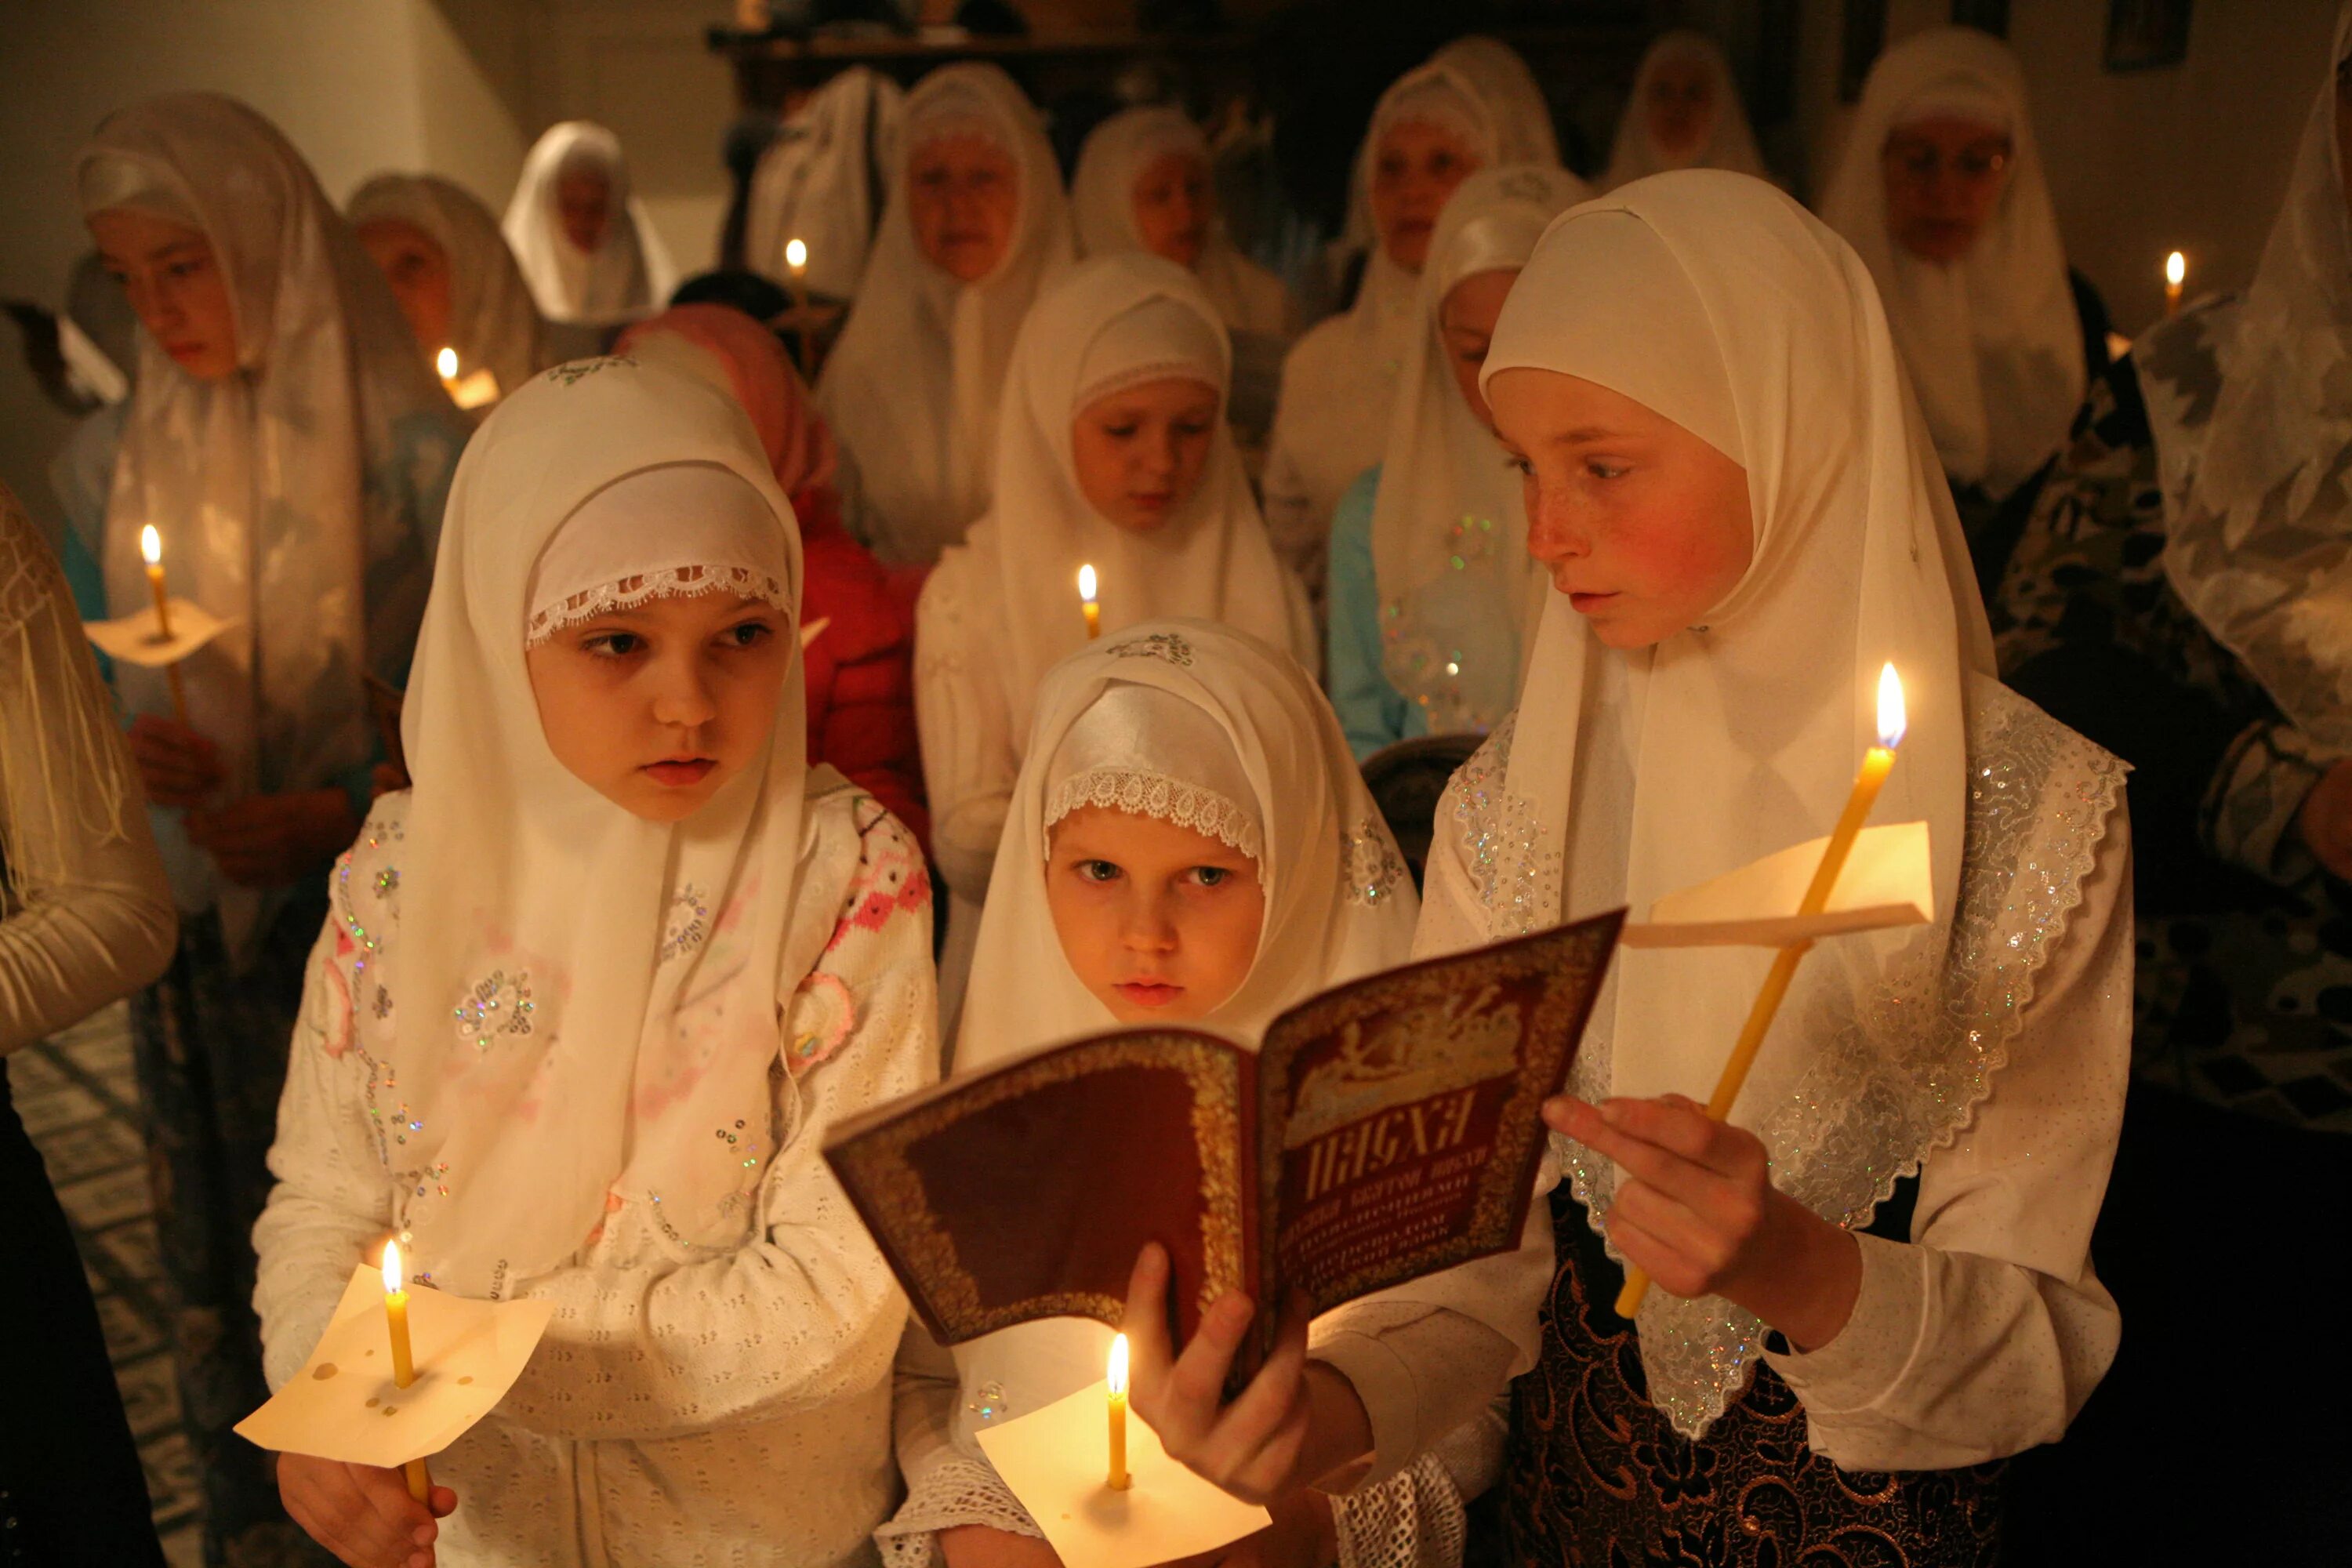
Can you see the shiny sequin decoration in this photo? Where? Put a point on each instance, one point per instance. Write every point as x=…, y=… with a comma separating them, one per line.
x=1169, y=646
x=688, y=925
x=499, y=1005
x=1370, y=866
x=1516, y=874
x=988, y=1401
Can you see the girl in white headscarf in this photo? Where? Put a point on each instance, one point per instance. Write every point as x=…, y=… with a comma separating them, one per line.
x=976, y=225
x=1111, y=453
x=1731, y=487
x=1941, y=192
x=1684, y=113
x=1204, y=768
x=1431, y=131
x=450, y=267
x=291, y=449
x=584, y=243
x=1431, y=585
x=619, y=959
x=2180, y=594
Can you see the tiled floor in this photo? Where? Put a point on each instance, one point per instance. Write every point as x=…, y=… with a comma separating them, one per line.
x=79, y=1101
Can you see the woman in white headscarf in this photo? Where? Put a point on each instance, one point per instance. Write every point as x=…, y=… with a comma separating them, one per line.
x=583, y=241
x=1684, y=113
x=291, y=449
x=2179, y=593
x=1111, y=452
x=976, y=225
x=449, y=267
x=1431, y=586
x=1185, y=724
x=1731, y=487
x=620, y=958
x=1431, y=131
x=822, y=181
x=1941, y=192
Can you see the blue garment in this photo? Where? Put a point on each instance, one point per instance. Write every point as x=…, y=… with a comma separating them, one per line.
x=1372, y=712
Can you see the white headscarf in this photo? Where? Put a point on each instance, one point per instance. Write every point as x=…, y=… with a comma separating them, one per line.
x=1715, y=300
x=1102, y=199
x=1449, y=526
x=1730, y=142
x=627, y=275
x=822, y=181
x=913, y=386
x=1113, y=322
x=1993, y=342
x=2259, y=512
x=310, y=482
x=582, y=994
x=1188, y=712
x=493, y=321
x=1514, y=102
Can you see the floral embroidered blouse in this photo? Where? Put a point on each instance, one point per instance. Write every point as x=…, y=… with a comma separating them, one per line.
x=686, y=1407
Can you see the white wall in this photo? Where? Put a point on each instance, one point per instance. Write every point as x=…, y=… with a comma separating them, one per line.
x=2191, y=157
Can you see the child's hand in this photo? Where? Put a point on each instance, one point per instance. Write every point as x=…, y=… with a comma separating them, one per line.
x=978, y=1546
x=178, y=766
x=1295, y=1423
x=362, y=1514
x=1697, y=1208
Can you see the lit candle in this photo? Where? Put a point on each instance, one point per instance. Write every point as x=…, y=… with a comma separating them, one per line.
x=1088, y=603
x=403, y=1365
x=151, y=546
x=796, y=262
x=1876, y=763
x=2176, y=273
x=1117, y=1383
x=445, y=362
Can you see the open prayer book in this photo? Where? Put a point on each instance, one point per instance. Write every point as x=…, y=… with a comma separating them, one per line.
x=1384, y=1129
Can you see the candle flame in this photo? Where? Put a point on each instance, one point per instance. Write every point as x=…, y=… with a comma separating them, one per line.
x=1892, y=719
x=795, y=254
x=2176, y=267
x=1118, y=1376
x=151, y=545
x=396, y=1279
x=1086, y=584
x=445, y=362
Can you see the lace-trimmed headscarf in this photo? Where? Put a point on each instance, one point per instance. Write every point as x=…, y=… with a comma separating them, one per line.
x=1993, y=341
x=1715, y=300
x=628, y=274
x=1449, y=526
x=1113, y=323
x=493, y=320
x=912, y=387
x=1151, y=754
x=2252, y=406
x=578, y=996
x=1730, y=141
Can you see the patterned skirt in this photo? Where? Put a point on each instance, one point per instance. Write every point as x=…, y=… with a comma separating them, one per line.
x=1597, y=1476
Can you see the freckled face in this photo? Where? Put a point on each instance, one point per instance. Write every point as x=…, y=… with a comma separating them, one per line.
x=1160, y=922
x=1643, y=525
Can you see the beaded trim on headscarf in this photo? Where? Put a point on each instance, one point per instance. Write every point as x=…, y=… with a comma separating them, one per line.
x=1142, y=793
x=670, y=582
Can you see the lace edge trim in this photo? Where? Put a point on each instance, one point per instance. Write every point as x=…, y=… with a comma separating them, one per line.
x=1142, y=793
x=669, y=583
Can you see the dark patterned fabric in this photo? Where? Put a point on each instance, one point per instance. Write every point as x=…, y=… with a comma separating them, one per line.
x=210, y=1047
x=1597, y=1479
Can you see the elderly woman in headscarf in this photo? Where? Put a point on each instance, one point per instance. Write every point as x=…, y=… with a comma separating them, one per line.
x=976, y=225
x=1941, y=192
x=291, y=450
x=585, y=244
x=456, y=281
x=1684, y=113
x=2178, y=594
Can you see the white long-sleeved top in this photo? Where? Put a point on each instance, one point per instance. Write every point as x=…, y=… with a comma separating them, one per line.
x=95, y=919
x=683, y=1409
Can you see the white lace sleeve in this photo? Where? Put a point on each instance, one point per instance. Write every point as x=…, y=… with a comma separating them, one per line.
x=1418, y=1518
x=946, y=1488
x=970, y=757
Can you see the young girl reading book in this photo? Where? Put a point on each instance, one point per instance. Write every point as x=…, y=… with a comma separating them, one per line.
x=1188, y=843
x=1872, y=1281
x=587, y=1000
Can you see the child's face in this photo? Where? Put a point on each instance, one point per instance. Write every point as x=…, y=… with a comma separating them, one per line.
x=1141, y=452
x=176, y=286
x=1643, y=525
x=1173, y=207
x=657, y=707
x=1158, y=921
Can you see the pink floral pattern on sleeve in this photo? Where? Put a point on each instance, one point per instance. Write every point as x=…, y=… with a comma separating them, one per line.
x=891, y=884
